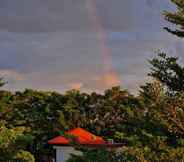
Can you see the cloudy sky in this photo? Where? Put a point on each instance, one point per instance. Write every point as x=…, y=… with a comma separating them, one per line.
x=82, y=44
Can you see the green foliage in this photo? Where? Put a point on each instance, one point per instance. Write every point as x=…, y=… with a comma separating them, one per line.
x=23, y=156
x=167, y=70
x=2, y=83
x=132, y=154
x=150, y=125
x=176, y=18
x=94, y=155
x=12, y=145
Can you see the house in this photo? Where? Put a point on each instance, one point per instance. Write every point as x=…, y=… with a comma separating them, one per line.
x=63, y=144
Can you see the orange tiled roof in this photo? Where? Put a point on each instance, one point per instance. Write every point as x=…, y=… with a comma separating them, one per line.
x=82, y=137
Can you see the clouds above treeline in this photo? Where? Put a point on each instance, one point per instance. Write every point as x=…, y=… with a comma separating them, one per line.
x=59, y=15
x=50, y=45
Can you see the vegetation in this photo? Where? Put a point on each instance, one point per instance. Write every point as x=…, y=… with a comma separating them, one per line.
x=94, y=155
x=151, y=125
x=176, y=18
x=168, y=71
x=1, y=82
x=12, y=145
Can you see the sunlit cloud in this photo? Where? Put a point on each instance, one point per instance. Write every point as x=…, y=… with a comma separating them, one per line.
x=107, y=80
x=12, y=75
x=50, y=45
x=111, y=79
x=76, y=86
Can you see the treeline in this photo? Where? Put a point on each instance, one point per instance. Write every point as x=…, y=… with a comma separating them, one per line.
x=151, y=125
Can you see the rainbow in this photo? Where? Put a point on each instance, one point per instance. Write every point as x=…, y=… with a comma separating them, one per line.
x=111, y=77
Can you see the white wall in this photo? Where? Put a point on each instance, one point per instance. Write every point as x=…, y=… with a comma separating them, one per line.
x=63, y=153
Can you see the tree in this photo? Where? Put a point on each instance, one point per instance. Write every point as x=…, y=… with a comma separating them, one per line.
x=168, y=71
x=2, y=82
x=164, y=68
x=161, y=129
x=174, y=114
x=164, y=111
x=176, y=18
x=13, y=143
x=96, y=155
x=37, y=112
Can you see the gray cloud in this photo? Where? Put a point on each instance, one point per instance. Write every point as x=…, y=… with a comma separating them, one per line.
x=49, y=44
x=59, y=15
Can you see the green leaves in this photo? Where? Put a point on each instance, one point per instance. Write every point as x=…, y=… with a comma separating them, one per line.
x=12, y=143
x=94, y=155
x=23, y=156
x=176, y=18
x=2, y=83
x=168, y=71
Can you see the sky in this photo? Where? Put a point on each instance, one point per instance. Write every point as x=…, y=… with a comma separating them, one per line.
x=89, y=45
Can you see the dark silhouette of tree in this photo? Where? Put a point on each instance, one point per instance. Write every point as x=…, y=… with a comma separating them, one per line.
x=168, y=71
x=176, y=18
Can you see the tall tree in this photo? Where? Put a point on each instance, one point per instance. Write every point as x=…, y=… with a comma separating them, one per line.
x=166, y=69
x=176, y=18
